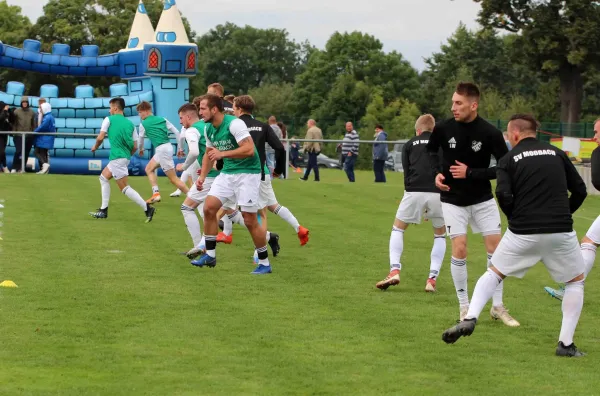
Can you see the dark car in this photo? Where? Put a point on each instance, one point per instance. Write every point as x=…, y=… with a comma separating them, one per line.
x=323, y=161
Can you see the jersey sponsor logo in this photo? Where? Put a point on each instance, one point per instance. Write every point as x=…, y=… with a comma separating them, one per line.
x=416, y=142
x=452, y=143
x=533, y=153
x=476, y=146
x=255, y=128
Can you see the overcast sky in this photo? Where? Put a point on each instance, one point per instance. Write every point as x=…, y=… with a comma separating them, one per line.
x=415, y=28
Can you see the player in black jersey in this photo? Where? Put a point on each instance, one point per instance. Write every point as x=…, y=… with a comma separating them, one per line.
x=534, y=181
x=468, y=142
x=421, y=200
x=591, y=240
x=217, y=89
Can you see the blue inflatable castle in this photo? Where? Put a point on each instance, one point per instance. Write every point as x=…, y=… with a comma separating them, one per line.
x=155, y=66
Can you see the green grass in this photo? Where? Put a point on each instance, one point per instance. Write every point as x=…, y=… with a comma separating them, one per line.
x=110, y=307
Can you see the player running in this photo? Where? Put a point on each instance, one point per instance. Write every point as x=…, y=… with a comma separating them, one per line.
x=157, y=129
x=122, y=135
x=421, y=200
x=533, y=188
x=228, y=139
x=468, y=142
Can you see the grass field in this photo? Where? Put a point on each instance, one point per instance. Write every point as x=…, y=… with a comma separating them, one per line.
x=110, y=307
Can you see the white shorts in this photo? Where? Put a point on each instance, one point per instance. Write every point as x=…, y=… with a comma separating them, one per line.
x=266, y=194
x=241, y=189
x=119, y=168
x=164, y=156
x=200, y=196
x=484, y=218
x=560, y=253
x=418, y=205
x=594, y=232
x=193, y=171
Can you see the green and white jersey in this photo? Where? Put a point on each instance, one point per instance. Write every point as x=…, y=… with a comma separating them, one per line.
x=226, y=138
x=200, y=128
x=121, y=134
x=157, y=130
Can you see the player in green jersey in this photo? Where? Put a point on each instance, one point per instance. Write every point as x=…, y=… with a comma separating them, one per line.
x=122, y=135
x=157, y=130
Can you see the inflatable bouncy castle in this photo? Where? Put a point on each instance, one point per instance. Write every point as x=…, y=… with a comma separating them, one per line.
x=155, y=66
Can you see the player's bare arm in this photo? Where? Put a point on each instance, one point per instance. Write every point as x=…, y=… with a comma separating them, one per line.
x=99, y=140
x=245, y=150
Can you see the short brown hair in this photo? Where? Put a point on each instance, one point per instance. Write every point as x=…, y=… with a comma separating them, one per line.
x=188, y=108
x=212, y=101
x=229, y=98
x=468, y=89
x=119, y=102
x=144, y=106
x=219, y=88
x=524, y=122
x=425, y=123
x=245, y=103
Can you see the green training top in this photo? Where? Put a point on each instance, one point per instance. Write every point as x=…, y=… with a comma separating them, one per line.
x=202, y=147
x=120, y=135
x=156, y=130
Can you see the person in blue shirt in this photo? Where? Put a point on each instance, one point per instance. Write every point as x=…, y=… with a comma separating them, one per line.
x=44, y=142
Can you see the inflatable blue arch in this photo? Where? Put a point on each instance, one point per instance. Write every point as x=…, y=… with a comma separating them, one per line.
x=156, y=67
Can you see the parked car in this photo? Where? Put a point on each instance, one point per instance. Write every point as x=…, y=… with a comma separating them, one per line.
x=394, y=161
x=323, y=161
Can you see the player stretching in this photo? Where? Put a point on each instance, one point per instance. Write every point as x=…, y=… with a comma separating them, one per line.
x=468, y=143
x=533, y=191
x=157, y=129
x=188, y=115
x=227, y=138
x=122, y=135
x=591, y=240
x=421, y=199
x=187, y=175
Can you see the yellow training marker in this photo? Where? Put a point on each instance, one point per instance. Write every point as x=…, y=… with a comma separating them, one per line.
x=8, y=283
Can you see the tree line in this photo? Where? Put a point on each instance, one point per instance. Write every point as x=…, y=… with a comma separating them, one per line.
x=530, y=56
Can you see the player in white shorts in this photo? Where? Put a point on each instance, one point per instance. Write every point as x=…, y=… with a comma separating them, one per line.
x=228, y=139
x=123, y=137
x=540, y=227
x=191, y=174
x=591, y=240
x=421, y=200
x=157, y=130
x=468, y=143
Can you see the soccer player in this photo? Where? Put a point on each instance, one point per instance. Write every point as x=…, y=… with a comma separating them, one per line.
x=217, y=89
x=228, y=139
x=190, y=174
x=591, y=240
x=468, y=142
x=188, y=116
x=157, y=129
x=243, y=107
x=534, y=182
x=421, y=199
x=122, y=135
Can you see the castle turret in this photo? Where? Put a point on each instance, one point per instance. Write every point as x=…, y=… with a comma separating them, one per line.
x=170, y=60
x=132, y=57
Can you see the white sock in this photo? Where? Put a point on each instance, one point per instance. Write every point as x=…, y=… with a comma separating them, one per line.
x=185, y=176
x=268, y=235
x=286, y=215
x=238, y=219
x=192, y=223
x=227, y=225
x=484, y=290
x=264, y=262
x=438, y=251
x=588, y=251
x=105, y=188
x=202, y=244
x=497, y=299
x=135, y=197
x=155, y=189
x=458, y=269
x=396, y=248
x=200, y=210
x=572, y=304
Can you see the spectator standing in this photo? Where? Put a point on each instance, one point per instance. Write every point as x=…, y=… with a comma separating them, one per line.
x=380, y=154
x=44, y=142
x=350, y=151
x=294, y=151
x=6, y=122
x=313, y=149
x=283, y=128
x=25, y=121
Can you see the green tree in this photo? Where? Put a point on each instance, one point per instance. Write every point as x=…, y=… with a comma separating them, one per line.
x=557, y=37
x=241, y=58
x=273, y=99
x=14, y=28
